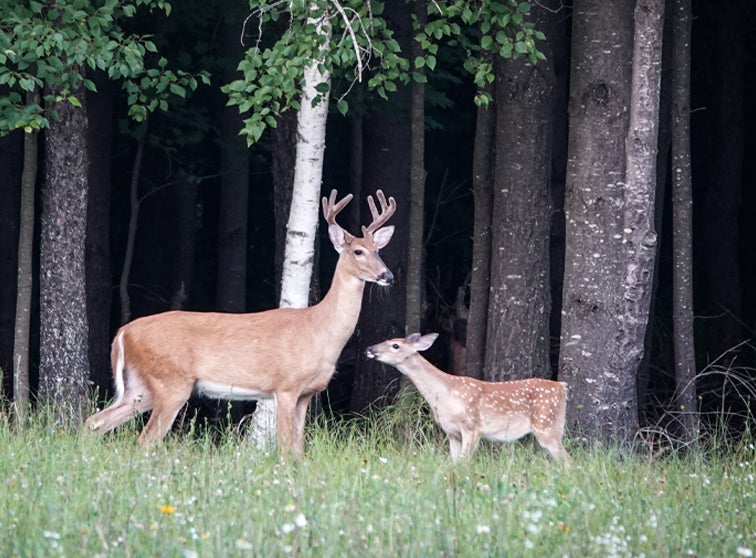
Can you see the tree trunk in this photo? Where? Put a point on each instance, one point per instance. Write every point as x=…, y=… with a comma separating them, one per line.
x=387, y=147
x=284, y=152
x=520, y=298
x=25, y=272
x=415, y=242
x=723, y=196
x=99, y=277
x=11, y=170
x=480, y=274
x=686, y=402
x=185, y=206
x=64, y=359
x=135, y=204
x=231, y=284
x=639, y=234
x=599, y=404
x=305, y=208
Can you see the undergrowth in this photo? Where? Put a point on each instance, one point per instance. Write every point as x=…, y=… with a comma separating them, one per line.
x=381, y=486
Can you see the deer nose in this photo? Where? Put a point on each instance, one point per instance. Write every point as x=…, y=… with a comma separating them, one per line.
x=386, y=278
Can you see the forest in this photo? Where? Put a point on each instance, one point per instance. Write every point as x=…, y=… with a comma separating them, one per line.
x=571, y=188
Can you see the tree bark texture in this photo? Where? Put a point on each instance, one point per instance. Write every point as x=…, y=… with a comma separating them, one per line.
x=480, y=274
x=25, y=273
x=184, y=197
x=11, y=168
x=231, y=284
x=64, y=359
x=639, y=233
x=686, y=402
x=599, y=404
x=415, y=240
x=520, y=299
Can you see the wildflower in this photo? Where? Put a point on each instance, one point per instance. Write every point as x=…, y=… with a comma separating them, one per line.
x=167, y=509
x=300, y=520
x=51, y=535
x=242, y=544
x=289, y=507
x=743, y=551
x=482, y=529
x=287, y=528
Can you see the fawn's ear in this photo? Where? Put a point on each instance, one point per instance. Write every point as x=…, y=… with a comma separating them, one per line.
x=425, y=341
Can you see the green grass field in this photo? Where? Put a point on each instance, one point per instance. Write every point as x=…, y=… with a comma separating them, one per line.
x=360, y=492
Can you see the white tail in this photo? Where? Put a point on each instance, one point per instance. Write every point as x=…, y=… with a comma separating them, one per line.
x=288, y=354
x=468, y=409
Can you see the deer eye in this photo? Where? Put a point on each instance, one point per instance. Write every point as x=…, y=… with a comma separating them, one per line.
x=395, y=346
x=359, y=252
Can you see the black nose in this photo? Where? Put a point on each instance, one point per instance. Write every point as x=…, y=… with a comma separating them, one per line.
x=387, y=277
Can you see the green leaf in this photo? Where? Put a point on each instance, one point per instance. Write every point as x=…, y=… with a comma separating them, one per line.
x=176, y=89
x=342, y=106
x=74, y=101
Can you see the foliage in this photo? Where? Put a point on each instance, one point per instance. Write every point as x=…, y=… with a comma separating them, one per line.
x=57, y=43
x=273, y=67
x=483, y=29
x=360, y=492
x=362, y=44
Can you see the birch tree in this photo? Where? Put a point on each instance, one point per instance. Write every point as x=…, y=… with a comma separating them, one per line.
x=295, y=73
x=299, y=251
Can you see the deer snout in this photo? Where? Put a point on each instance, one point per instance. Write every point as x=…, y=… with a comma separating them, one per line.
x=369, y=353
x=385, y=278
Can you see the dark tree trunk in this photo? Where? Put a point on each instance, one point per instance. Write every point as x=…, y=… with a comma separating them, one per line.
x=639, y=233
x=284, y=142
x=387, y=141
x=11, y=167
x=520, y=299
x=682, y=214
x=600, y=77
x=232, y=234
x=415, y=242
x=25, y=277
x=723, y=197
x=99, y=277
x=480, y=274
x=185, y=207
x=64, y=359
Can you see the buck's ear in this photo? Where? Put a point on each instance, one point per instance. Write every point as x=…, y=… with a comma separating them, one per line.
x=425, y=341
x=382, y=236
x=338, y=238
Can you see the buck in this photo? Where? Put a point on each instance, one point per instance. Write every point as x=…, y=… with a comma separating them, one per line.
x=288, y=354
x=467, y=409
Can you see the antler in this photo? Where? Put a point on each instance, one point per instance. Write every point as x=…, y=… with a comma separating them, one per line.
x=387, y=210
x=331, y=208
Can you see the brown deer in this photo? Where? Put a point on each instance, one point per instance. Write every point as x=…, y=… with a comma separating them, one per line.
x=468, y=409
x=288, y=354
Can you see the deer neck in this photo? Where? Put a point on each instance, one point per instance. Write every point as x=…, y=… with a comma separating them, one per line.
x=428, y=379
x=339, y=310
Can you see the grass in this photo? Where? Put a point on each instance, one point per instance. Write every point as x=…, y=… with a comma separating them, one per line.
x=363, y=491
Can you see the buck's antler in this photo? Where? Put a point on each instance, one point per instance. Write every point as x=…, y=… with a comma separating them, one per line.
x=331, y=208
x=387, y=210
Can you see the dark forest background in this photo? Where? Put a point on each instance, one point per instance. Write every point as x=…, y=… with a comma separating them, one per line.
x=176, y=250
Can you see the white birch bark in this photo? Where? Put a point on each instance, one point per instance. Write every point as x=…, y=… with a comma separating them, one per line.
x=301, y=229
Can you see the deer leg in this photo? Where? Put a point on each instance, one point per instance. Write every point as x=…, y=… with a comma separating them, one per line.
x=300, y=415
x=130, y=405
x=161, y=420
x=552, y=443
x=469, y=444
x=285, y=421
x=455, y=448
